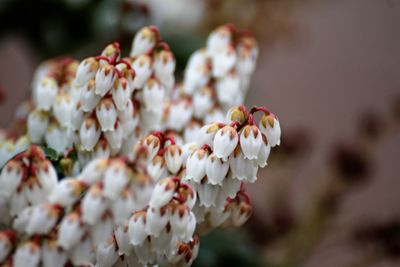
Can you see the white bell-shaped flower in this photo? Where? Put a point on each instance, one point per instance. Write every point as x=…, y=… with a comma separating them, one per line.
x=123, y=241
x=225, y=141
x=144, y=41
x=270, y=126
x=137, y=228
x=216, y=169
x=123, y=206
x=143, y=68
x=250, y=141
x=106, y=254
x=196, y=165
x=173, y=158
x=89, y=134
x=219, y=38
x=37, y=125
x=58, y=138
x=179, y=115
x=88, y=98
x=206, y=134
x=82, y=254
x=105, y=78
x=162, y=193
x=93, y=171
x=93, y=205
x=153, y=94
x=121, y=93
x=115, y=179
x=231, y=185
x=67, y=192
x=164, y=65
x=86, y=71
x=263, y=154
x=247, y=51
x=52, y=256
x=114, y=137
x=62, y=109
x=202, y=102
x=156, y=168
x=227, y=88
x=207, y=193
x=10, y=178
x=77, y=116
x=71, y=231
x=46, y=93
x=240, y=214
x=7, y=240
x=242, y=168
x=106, y=114
x=102, y=230
x=28, y=254
x=196, y=77
x=180, y=217
x=156, y=220
x=223, y=61
x=43, y=219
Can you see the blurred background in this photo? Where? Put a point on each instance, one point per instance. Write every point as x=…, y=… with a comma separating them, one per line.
x=330, y=69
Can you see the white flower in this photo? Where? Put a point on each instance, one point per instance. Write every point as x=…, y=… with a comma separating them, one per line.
x=93, y=205
x=58, y=138
x=227, y=88
x=190, y=132
x=27, y=255
x=196, y=77
x=77, y=116
x=162, y=193
x=214, y=115
x=71, y=231
x=10, y=178
x=62, y=109
x=18, y=202
x=225, y=141
x=89, y=134
x=217, y=217
x=206, y=134
x=43, y=219
x=216, y=169
x=93, y=171
x=35, y=193
x=106, y=114
x=46, y=93
x=88, y=97
x=123, y=206
x=145, y=252
x=242, y=168
x=52, y=256
x=101, y=149
x=122, y=238
x=270, y=126
x=106, y=254
x=105, y=78
x=143, y=68
x=67, y=192
x=115, y=179
x=102, y=230
x=82, y=253
x=179, y=115
x=263, y=154
x=196, y=165
x=231, y=186
x=137, y=228
x=153, y=95
x=156, y=220
x=164, y=65
x=180, y=217
x=144, y=41
x=250, y=141
x=223, y=61
x=247, y=51
x=219, y=39
x=207, y=194
x=173, y=158
x=202, y=102
x=121, y=93
x=156, y=168
x=46, y=175
x=37, y=125
x=86, y=71
x=114, y=137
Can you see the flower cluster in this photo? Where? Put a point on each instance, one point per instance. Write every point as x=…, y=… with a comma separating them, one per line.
x=157, y=164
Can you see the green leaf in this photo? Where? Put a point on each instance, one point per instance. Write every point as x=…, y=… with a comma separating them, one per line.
x=51, y=154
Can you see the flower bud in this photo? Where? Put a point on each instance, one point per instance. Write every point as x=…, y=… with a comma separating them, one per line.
x=240, y=214
x=220, y=38
x=144, y=41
